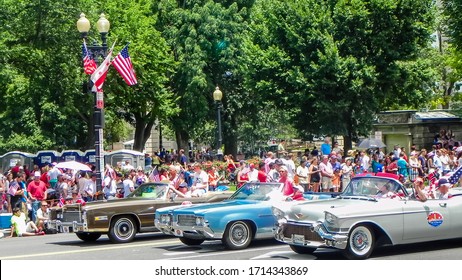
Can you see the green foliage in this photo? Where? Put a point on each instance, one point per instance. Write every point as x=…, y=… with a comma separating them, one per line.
x=293, y=68
x=335, y=64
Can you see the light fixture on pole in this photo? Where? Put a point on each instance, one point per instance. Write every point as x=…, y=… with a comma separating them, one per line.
x=98, y=52
x=217, y=96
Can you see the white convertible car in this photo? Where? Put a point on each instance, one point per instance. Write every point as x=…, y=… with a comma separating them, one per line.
x=358, y=220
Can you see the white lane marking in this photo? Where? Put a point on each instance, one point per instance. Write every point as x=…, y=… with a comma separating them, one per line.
x=202, y=255
x=273, y=254
x=124, y=246
x=179, y=253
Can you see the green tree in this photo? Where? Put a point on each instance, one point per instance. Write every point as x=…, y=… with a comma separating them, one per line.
x=336, y=63
x=151, y=99
x=205, y=38
x=41, y=90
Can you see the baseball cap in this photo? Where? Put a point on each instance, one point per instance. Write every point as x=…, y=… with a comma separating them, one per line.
x=37, y=174
x=278, y=162
x=443, y=181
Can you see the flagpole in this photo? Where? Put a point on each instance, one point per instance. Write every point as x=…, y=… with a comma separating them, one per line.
x=97, y=52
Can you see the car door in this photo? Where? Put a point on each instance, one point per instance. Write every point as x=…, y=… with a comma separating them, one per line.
x=427, y=220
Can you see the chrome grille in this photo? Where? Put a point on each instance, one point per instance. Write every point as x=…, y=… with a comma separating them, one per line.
x=70, y=216
x=186, y=220
x=290, y=229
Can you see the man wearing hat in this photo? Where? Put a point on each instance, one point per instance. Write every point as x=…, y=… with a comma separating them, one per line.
x=442, y=189
x=36, y=190
x=273, y=174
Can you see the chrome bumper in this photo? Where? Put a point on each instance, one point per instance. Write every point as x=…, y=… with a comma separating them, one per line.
x=322, y=237
x=65, y=226
x=195, y=232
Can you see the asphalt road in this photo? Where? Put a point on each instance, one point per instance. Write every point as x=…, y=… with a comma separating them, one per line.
x=155, y=246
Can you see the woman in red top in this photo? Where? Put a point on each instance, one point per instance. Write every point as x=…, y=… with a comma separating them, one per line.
x=289, y=191
x=230, y=161
x=242, y=175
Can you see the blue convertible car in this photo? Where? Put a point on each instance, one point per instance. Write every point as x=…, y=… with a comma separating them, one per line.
x=244, y=217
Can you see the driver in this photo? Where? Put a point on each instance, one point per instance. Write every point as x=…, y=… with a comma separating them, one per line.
x=385, y=192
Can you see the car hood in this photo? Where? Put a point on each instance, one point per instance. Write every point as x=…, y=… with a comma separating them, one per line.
x=340, y=207
x=113, y=202
x=218, y=206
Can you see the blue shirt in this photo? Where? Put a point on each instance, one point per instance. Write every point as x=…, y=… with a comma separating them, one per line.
x=402, y=167
x=325, y=149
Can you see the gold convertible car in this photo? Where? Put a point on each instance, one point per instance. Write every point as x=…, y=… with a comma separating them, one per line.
x=122, y=219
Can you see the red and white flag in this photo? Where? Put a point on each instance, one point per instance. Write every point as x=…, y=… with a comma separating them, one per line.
x=123, y=64
x=99, y=76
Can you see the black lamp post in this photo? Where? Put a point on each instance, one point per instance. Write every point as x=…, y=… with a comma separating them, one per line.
x=217, y=96
x=98, y=52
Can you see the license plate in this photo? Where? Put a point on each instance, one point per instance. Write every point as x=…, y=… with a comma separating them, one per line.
x=178, y=232
x=298, y=239
x=65, y=229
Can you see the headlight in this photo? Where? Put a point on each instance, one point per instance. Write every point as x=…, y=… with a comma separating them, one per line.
x=165, y=219
x=330, y=218
x=199, y=221
x=278, y=213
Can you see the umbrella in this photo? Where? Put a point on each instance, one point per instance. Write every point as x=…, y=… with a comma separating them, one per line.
x=73, y=165
x=371, y=143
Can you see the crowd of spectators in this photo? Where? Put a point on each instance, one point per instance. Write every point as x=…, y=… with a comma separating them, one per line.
x=326, y=170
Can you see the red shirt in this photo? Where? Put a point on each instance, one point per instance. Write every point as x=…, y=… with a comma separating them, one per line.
x=37, y=189
x=262, y=176
x=44, y=178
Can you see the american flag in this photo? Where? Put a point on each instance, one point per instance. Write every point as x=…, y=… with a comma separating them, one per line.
x=123, y=64
x=154, y=176
x=89, y=64
x=433, y=177
x=454, y=178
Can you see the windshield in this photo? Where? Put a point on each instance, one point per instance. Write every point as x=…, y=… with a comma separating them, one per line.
x=256, y=191
x=371, y=186
x=150, y=190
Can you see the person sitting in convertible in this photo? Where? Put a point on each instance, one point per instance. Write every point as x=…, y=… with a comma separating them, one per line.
x=289, y=190
x=442, y=189
x=385, y=192
x=419, y=190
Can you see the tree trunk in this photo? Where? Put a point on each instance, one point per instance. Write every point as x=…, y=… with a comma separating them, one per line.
x=230, y=139
x=142, y=133
x=347, y=144
x=182, y=140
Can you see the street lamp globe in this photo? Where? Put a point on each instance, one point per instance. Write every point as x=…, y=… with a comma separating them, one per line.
x=83, y=24
x=103, y=24
x=217, y=94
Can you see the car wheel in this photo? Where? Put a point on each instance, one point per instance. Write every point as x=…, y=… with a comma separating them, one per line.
x=88, y=236
x=361, y=243
x=238, y=235
x=191, y=242
x=302, y=250
x=123, y=229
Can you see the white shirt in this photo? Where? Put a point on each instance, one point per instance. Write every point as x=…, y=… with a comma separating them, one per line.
x=41, y=215
x=53, y=173
x=90, y=188
x=291, y=166
x=129, y=186
x=365, y=162
x=201, y=179
x=253, y=175
x=302, y=172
